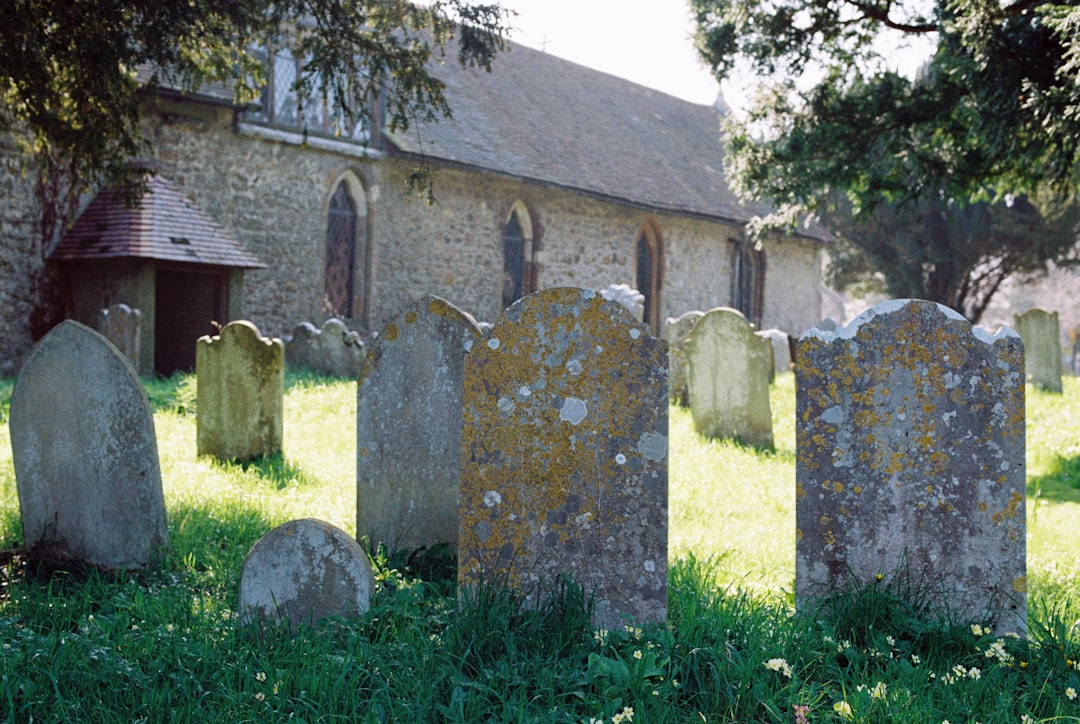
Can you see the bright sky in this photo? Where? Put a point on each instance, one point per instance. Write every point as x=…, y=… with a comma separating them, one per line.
x=645, y=41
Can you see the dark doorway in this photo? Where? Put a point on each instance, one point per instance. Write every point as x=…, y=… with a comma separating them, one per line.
x=185, y=304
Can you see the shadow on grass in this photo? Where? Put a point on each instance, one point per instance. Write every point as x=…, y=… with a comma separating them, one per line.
x=215, y=536
x=1061, y=484
x=274, y=469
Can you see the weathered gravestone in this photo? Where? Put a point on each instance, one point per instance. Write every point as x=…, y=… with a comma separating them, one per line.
x=910, y=461
x=240, y=387
x=120, y=325
x=408, y=427
x=333, y=350
x=565, y=455
x=1042, y=347
x=781, y=349
x=728, y=373
x=85, y=453
x=676, y=331
x=302, y=572
x=627, y=296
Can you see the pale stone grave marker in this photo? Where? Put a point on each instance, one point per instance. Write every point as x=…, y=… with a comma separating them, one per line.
x=240, y=388
x=781, y=349
x=408, y=427
x=85, y=453
x=333, y=350
x=627, y=296
x=728, y=373
x=564, y=452
x=302, y=572
x=120, y=325
x=676, y=331
x=1042, y=347
x=910, y=460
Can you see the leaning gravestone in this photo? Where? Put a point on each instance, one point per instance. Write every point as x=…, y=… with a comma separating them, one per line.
x=408, y=427
x=240, y=387
x=910, y=461
x=120, y=325
x=1042, y=347
x=333, y=350
x=729, y=378
x=85, y=454
x=564, y=452
x=676, y=331
x=302, y=572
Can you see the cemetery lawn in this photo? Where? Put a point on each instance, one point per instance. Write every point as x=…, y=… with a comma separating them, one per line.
x=81, y=646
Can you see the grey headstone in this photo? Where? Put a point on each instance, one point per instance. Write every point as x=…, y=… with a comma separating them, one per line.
x=566, y=455
x=85, y=453
x=781, y=347
x=408, y=427
x=333, y=350
x=1042, y=347
x=729, y=378
x=302, y=572
x=910, y=460
x=627, y=296
x=241, y=377
x=120, y=324
x=676, y=332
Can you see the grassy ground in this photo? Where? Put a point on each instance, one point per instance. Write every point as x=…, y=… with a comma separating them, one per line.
x=166, y=644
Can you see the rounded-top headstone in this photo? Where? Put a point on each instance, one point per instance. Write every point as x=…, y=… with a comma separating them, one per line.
x=302, y=572
x=85, y=453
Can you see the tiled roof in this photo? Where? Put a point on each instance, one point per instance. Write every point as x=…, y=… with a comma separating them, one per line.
x=162, y=225
x=539, y=117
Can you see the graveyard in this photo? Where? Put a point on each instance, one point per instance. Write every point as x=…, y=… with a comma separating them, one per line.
x=81, y=645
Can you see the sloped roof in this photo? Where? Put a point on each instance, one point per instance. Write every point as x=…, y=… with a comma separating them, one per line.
x=539, y=117
x=163, y=224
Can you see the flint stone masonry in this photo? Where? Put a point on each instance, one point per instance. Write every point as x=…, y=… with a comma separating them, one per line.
x=241, y=377
x=565, y=455
x=408, y=427
x=676, y=331
x=1042, y=347
x=85, y=453
x=728, y=374
x=302, y=572
x=333, y=350
x=120, y=325
x=910, y=460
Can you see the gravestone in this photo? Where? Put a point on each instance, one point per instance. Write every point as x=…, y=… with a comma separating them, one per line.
x=240, y=387
x=408, y=427
x=120, y=325
x=565, y=458
x=302, y=572
x=333, y=350
x=85, y=453
x=627, y=296
x=781, y=349
x=1042, y=347
x=728, y=373
x=910, y=460
x=676, y=331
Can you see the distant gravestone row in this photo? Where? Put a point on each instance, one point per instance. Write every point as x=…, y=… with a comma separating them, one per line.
x=120, y=324
x=1042, y=344
x=540, y=451
x=334, y=350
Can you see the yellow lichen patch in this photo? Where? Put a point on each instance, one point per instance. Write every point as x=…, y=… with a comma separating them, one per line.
x=982, y=506
x=798, y=535
x=800, y=491
x=858, y=489
x=390, y=333
x=830, y=539
x=1020, y=584
x=411, y=317
x=837, y=486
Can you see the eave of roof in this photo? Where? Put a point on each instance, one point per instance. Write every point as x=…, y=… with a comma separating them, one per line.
x=162, y=224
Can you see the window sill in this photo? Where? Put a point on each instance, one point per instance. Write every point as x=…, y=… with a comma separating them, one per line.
x=295, y=138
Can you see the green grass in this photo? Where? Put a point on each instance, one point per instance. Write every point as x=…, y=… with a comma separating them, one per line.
x=166, y=644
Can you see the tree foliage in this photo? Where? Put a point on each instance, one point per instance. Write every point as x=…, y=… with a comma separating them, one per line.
x=949, y=252
x=77, y=72
x=996, y=108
